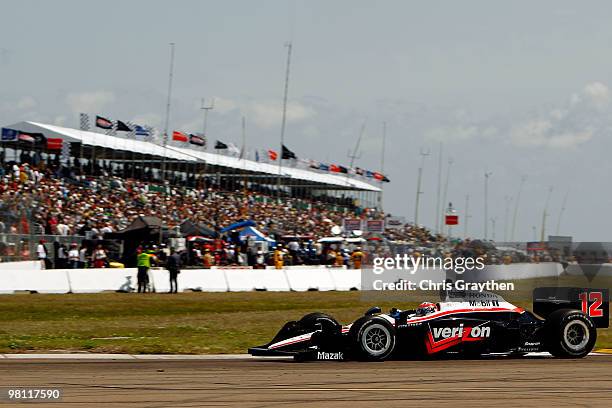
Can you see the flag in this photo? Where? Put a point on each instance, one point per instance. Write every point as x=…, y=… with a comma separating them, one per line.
x=257, y=155
x=25, y=137
x=141, y=131
x=378, y=176
x=103, y=123
x=179, y=136
x=369, y=174
x=196, y=140
x=323, y=166
x=220, y=145
x=359, y=171
x=343, y=169
x=9, y=135
x=54, y=143
x=122, y=127
x=314, y=165
x=334, y=168
x=288, y=154
x=385, y=179
x=272, y=155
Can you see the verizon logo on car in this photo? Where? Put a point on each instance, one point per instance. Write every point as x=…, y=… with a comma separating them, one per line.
x=461, y=332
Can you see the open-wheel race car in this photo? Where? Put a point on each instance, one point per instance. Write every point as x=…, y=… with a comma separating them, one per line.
x=563, y=323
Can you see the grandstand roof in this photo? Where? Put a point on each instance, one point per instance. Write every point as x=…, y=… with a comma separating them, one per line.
x=177, y=153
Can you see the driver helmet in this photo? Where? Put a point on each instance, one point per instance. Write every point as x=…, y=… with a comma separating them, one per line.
x=426, y=308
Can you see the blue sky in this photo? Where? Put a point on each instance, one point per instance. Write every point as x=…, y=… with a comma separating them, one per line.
x=515, y=88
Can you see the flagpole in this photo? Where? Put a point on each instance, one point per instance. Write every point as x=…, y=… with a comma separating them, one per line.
x=284, y=120
x=165, y=139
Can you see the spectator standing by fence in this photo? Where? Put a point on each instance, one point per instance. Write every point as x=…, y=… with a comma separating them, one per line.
x=143, y=262
x=73, y=256
x=99, y=257
x=173, y=265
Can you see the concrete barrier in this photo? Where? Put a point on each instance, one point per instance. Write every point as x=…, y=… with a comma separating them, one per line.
x=346, y=279
x=104, y=279
x=292, y=278
x=310, y=279
x=41, y=281
x=274, y=280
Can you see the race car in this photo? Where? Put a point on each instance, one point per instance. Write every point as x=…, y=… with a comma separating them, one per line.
x=466, y=324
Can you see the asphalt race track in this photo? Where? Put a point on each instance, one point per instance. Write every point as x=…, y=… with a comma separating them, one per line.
x=246, y=382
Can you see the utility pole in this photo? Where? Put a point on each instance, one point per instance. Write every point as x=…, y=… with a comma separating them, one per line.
x=516, y=206
x=165, y=139
x=545, y=214
x=284, y=120
x=562, y=211
x=423, y=155
x=486, y=204
x=438, y=208
x=467, y=216
x=207, y=108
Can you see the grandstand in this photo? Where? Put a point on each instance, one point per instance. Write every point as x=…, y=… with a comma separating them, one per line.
x=95, y=183
x=145, y=155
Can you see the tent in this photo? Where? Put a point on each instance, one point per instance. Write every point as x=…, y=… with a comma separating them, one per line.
x=142, y=230
x=189, y=228
x=256, y=234
x=237, y=225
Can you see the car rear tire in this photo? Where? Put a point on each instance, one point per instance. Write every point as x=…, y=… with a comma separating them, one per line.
x=569, y=334
x=373, y=338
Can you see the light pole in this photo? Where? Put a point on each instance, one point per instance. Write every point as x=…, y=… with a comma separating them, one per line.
x=423, y=154
x=165, y=139
x=206, y=108
x=516, y=206
x=545, y=214
x=448, y=169
x=486, y=204
x=284, y=120
x=467, y=216
x=493, y=220
x=507, y=200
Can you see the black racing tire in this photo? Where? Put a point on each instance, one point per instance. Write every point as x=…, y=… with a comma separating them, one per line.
x=373, y=338
x=327, y=322
x=569, y=333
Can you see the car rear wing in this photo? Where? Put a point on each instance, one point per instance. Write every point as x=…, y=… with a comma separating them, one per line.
x=593, y=302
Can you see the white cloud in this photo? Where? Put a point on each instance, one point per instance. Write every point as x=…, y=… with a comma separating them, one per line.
x=269, y=114
x=542, y=133
x=89, y=102
x=597, y=94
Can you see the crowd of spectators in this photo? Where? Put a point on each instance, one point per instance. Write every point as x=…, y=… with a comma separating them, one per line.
x=44, y=198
